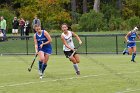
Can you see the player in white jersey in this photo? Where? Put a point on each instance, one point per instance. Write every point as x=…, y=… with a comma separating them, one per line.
x=68, y=46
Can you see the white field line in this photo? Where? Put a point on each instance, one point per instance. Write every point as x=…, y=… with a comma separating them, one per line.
x=129, y=90
x=71, y=78
x=42, y=81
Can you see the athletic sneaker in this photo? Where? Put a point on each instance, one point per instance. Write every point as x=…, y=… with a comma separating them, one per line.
x=124, y=52
x=133, y=60
x=41, y=76
x=78, y=72
x=40, y=72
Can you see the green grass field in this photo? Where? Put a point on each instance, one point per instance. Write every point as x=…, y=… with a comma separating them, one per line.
x=99, y=74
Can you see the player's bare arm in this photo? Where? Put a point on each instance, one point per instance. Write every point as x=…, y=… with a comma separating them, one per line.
x=138, y=36
x=126, y=37
x=35, y=41
x=77, y=37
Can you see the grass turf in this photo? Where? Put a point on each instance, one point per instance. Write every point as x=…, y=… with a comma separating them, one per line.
x=99, y=74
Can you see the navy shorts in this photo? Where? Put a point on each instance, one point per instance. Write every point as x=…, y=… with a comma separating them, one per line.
x=129, y=45
x=46, y=50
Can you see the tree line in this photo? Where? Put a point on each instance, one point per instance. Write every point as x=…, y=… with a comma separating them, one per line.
x=81, y=15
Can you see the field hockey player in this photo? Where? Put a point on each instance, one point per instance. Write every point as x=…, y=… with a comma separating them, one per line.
x=68, y=46
x=43, y=47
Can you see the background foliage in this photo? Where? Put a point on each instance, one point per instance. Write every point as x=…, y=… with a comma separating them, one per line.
x=113, y=14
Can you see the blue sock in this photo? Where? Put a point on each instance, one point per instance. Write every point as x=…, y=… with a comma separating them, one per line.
x=40, y=65
x=44, y=67
x=133, y=56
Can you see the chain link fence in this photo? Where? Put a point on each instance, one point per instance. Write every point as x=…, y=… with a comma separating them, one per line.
x=92, y=44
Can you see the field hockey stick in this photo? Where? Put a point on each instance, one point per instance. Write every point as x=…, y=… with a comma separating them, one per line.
x=136, y=41
x=30, y=68
x=75, y=50
x=131, y=41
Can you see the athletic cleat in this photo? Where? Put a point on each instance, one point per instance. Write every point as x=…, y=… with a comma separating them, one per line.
x=133, y=60
x=78, y=72
x=124, y=52
x=41, y=77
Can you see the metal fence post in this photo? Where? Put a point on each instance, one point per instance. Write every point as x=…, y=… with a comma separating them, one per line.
x=27, y=46
x=116, y=44
x=86, y=44
x=56, y=44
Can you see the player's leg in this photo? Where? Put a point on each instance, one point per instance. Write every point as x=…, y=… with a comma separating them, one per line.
x=44, y=64
x=75, y=65
x=130, y=50
x=47, y=52
x=41, y=59
x=133, y=54
x=76, y=56
x=72, y=59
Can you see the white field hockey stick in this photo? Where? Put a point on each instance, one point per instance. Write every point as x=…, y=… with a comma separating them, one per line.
x=30, y=68
x=136, y=41
x=132, y=41
x=75, y=50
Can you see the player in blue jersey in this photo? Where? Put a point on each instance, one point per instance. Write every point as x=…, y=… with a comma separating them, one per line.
x=131, y=44
x=43, y=48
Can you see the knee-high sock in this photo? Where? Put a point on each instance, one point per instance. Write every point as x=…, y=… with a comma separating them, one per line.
x=44, y=65
x=40, y=65
x=76, y=67
x=133, y=56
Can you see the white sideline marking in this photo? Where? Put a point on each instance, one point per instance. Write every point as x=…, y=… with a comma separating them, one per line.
x=128, y=90
x=71, y=78
x=27, y=83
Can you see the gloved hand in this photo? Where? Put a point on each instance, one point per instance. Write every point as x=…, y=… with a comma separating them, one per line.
x=80, y=42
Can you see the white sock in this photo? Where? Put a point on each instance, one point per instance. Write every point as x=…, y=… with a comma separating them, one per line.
x=76, y=67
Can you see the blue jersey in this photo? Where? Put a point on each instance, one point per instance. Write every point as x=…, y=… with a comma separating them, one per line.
x=47, y=48
x=132, y=38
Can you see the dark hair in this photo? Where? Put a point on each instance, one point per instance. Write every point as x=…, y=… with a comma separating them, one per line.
x=64, y=24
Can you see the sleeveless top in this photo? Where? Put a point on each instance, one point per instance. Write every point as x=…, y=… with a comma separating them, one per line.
x=132, y=36
x=42, y=39
x=69, y=41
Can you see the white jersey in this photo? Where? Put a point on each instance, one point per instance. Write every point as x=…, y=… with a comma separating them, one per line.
x=69, y=41
x=1, y=34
